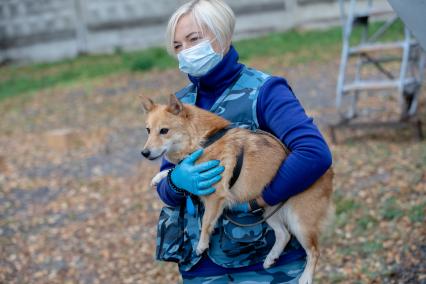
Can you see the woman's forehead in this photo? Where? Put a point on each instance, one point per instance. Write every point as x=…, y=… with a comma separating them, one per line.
x=185, y=26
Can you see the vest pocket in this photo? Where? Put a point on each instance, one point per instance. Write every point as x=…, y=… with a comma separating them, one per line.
x=235, y=240
x=170, y=232
x=178, y=233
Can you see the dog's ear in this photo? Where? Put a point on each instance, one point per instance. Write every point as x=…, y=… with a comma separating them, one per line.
x=147, y=103
x=175, y=106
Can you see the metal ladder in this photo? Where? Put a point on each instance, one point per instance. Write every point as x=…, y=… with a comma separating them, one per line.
x=367, y=52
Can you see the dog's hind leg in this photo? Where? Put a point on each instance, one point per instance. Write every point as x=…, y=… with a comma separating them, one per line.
x=214, y=206
x=309, y=241
x=311, y=248
x=282, y=237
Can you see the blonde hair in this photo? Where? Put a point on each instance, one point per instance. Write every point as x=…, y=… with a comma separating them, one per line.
x=214, y=15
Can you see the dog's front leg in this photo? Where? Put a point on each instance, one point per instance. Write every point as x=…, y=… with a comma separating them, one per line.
x=214, y=206
x=158, y=177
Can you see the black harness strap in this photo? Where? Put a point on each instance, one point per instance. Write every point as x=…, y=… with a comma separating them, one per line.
x=240, y=157
x=216, y=136
x=237, y=169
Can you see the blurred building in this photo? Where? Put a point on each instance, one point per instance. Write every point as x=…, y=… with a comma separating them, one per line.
x=48, y=30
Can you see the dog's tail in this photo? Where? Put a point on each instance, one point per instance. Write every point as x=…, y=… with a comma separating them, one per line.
x=326, y=225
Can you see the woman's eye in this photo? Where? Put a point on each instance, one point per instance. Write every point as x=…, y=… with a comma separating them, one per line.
x=148, y=130
x=177, y=47
x=194, y=39
x=164, y=130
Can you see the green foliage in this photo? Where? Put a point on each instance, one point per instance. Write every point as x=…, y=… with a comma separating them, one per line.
x=151, y=58
x=291, y=41
x=366, y=222
x=345, y=205
x=391, y=210
x=417, y=213
x=371, y=247
x=17, y=80
x=344, y=209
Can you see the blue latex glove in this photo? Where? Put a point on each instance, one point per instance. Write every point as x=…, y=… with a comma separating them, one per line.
x=197, y=179
x=240, y=207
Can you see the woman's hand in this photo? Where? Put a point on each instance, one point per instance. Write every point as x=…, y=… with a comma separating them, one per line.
x=196, y=179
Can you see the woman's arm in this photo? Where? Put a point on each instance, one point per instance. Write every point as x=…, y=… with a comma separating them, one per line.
x=166, y=193
x=280, y=113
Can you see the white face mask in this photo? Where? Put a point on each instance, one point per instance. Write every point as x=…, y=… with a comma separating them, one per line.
x=199, y=59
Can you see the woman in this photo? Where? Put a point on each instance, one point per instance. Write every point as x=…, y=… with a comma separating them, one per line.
x=199, y=34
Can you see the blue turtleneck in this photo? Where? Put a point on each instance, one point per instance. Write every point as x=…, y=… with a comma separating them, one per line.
x=280, y=113
x=214, y=83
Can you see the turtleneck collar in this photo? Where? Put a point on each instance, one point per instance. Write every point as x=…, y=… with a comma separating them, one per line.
x=215, y=82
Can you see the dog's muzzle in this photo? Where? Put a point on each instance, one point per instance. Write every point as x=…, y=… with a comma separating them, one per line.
x=146, y=153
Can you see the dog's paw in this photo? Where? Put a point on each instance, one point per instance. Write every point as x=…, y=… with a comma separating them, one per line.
x=269, y=261
x=271, y=258
x=305, y=279
x=201, y=248
x=154, y=182
x=158, y=177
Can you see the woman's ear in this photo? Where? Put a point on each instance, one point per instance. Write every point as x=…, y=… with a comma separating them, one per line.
x=175, y=106
x=147, y=103
x=227, y=47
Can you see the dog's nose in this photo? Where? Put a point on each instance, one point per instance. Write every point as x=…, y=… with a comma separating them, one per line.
x=145, y=153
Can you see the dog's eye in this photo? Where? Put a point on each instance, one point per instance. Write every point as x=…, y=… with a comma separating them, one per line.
x=148, y=130
x=164, y=130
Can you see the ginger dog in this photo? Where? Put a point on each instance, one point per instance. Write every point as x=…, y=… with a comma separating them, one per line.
x=177, y=130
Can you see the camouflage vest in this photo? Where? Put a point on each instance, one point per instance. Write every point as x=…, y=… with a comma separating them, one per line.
x=231, y=246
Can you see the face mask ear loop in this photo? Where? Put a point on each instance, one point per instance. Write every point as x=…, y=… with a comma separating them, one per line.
x=222, y=49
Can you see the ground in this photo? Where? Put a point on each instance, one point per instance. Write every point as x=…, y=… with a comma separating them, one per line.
x=88, y=215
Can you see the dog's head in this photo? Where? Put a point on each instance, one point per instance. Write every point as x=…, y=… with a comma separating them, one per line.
x=167, y=127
